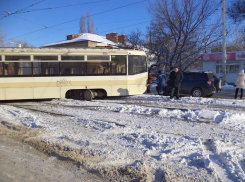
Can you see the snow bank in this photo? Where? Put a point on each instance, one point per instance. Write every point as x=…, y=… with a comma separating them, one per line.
x=146, y=131
x=228, y=87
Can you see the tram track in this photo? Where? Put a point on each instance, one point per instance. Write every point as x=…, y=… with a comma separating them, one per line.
x=28, y=107
x=179, y=106
x=94, y=108
x=102, y=108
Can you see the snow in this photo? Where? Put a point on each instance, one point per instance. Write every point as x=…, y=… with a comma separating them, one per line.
x=228, y=87
x=204, y=136
x=85, y=37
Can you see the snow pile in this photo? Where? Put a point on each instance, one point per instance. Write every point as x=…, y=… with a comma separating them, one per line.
x=194, y=138
x=228, y=87
x=232, y=157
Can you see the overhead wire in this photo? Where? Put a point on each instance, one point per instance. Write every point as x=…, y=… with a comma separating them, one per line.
x=113, y=22
x=126, y=26
x=58, y=7
x=9, y=13
x=48, y=27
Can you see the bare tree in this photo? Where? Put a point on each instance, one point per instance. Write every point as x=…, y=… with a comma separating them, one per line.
x=236, y=43
x=5, y=42
x=237, y=10
x=92, y=27
x=2, y=38
x=82, y=24
x=88, y=23
x=179, y=31
x=135, y=39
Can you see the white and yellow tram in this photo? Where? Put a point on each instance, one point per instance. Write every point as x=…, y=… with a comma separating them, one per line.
x=41, y=73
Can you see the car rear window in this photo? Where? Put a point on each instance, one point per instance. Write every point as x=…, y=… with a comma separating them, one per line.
x=195, y=77
x=212, y=76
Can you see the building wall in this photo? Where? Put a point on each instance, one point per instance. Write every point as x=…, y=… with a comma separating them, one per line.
x=112, y=37
x=122, y=39
x=230, y=77
x=72, y=45
x=92, y=44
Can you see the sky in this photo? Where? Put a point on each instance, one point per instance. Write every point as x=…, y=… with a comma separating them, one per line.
x=41, y=22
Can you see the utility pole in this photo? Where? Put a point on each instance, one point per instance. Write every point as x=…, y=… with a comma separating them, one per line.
x=224, y=57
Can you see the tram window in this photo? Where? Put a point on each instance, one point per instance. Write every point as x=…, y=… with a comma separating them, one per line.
x=74, y=58
x=98, y=68
x=17, y=58
x=118, y=65
x=98, y=58
x=17, y=69
x=72, y=68
x=45, y=58
x=136, y=64
x=1, y=69
x=45, y=68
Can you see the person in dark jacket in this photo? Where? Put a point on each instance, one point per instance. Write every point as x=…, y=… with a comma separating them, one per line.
x=176, y=78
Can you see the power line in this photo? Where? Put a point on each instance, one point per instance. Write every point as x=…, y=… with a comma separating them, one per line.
x=79, y=18
x=126, y=26
x=32, y=22
x=8, y=13
x=99, y=13
x=112, y=22
x=31, y=5
x=58, y=7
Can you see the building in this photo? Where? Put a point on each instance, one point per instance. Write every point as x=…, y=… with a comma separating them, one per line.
x=88, y=40
x=235, y=62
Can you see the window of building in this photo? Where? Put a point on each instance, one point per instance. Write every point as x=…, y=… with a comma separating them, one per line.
x=45, y=68
x=229, y=69
x=98, y=68
x=72, y=58
x=72, y=68
x=233, y=68
x=136, y=64
x=118, y=65
x=218, y=68
x=17, y=58
x=45, y=58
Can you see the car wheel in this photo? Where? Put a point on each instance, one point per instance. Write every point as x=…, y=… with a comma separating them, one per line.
x=197, y=92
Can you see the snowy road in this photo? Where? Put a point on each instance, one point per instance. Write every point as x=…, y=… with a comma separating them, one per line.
x=142, y=137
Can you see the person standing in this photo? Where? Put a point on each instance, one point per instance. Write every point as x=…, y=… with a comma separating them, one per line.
x=240, y=82
x=150, y=80
x=161, y=83
x=176, y=78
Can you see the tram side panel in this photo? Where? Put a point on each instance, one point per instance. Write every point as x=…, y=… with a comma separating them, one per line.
x=46, y=87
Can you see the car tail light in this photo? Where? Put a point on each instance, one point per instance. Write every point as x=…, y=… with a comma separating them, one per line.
x=209, y=83
x=220, y=84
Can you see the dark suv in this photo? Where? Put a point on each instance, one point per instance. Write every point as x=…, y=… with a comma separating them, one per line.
x=198, y=84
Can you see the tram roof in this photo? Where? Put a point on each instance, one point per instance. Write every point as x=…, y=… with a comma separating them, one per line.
x=35, y=50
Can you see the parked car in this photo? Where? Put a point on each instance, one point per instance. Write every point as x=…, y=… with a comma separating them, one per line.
x=198, y=84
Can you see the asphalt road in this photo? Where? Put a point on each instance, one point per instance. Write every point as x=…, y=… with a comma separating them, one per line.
x=223, y=94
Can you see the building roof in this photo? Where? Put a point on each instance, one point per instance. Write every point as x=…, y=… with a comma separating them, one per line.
x=86, y=37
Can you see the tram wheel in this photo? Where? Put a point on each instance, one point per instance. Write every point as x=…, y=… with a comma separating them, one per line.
x=88, y=95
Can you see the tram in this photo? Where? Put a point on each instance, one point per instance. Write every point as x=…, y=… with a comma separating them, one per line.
x=43, y=73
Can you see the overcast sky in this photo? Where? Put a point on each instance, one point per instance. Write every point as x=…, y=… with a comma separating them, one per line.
x=39, y=25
